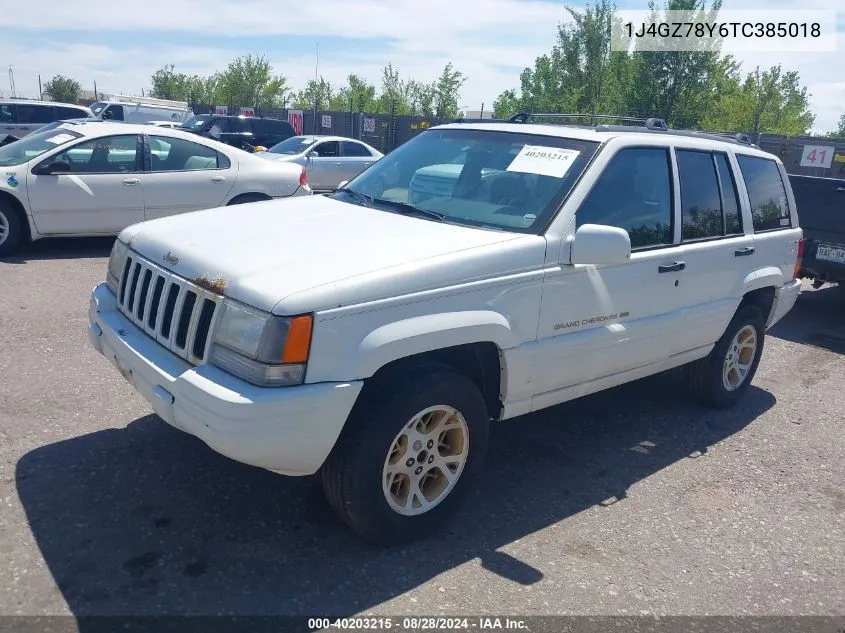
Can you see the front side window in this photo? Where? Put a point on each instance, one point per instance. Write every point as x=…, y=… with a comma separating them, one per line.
x=634, y=193
x=32, y=146
x=492, y=179
x=107, y=155
x=769, y=207
x=351, y=148
x=8, y=113
x=176, y=154
x=328, y=148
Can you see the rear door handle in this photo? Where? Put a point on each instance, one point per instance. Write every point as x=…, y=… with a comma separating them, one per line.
x=671, y=268
x=218, y=179
x=131, y=181
x=744, y=252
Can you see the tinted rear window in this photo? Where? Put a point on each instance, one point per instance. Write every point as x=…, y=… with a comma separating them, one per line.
x=769, y=206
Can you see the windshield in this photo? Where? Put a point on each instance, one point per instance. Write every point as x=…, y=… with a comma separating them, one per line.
x=492, y=179
x=34, y=145
x=98, y=107
x=196, y=121
x=293, y=145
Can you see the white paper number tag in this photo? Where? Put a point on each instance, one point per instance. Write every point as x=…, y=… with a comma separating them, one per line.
x=58, y=139
x=544, y=161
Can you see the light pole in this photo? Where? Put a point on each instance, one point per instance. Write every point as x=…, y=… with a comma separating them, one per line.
x=12, y=81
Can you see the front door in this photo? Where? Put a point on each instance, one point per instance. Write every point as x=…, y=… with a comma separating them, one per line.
x=102, y=193
x=184, y=176
x=596, y=321
x=325, y=166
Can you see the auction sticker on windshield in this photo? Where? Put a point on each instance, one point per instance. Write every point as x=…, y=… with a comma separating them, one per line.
x=543, y=161
x=58, y=139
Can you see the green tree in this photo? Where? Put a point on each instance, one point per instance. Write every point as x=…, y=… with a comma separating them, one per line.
x=63, y=89
x=320, y=90
x=394, y=92
x=841, y=129
x=422, y=97
x=168, y=84
x=446, y=92
x=249, y=81
x=356, y=88
x=771, y=101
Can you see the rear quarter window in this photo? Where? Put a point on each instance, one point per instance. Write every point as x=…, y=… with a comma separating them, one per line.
x=769, y=205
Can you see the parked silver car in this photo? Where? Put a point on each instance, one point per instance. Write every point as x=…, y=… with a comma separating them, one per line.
x=328, y=160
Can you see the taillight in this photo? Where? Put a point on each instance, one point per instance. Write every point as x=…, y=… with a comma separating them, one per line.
x=303, y=178
x=798, y=259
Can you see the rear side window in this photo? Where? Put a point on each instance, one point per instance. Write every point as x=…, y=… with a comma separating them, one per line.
x=240, y=125
x=769, y=208
x=8, y=114
x=64, y=112
x=34, y=113
x=634, y=193
x=351, y=148
x=709, y=206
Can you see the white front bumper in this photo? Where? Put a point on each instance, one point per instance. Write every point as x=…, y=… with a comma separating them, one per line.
x=289, y=430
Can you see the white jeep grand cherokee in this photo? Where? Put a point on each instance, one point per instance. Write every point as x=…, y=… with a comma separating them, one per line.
x=477, y=273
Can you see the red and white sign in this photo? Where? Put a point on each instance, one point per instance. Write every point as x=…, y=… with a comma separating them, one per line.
x=247, y=111
x=817, y=156
x=224, y=110
x=295, y=119
x=369, y=124
x=327, y=120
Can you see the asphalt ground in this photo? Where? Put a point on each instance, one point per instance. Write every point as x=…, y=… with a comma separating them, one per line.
x=630, y=502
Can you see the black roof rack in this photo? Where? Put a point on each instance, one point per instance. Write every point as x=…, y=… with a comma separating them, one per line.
x=648, y=125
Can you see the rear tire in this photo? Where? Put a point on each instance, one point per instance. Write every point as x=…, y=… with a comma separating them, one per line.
x=11, y=230
x=721, y=378
x=386, y=476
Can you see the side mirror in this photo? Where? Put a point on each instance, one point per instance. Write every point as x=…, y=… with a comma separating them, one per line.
x=600, y=244
x=107, y=115
x=312, y=154
x=56, y=167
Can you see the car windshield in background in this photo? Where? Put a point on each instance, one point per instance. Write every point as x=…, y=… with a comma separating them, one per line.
x=501, y=180
x=98, y=107
x=196, y=121
x=292, y=146
x=34, y=145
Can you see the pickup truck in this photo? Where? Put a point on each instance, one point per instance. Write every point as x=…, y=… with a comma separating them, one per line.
x=479, y=272
x=821, y=202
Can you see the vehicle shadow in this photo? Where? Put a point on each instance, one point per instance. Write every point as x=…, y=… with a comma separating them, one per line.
x=61, y=248
x=146, y=520
x=816, y=320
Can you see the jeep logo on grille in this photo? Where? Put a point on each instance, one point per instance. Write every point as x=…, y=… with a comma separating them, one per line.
x=170, y=258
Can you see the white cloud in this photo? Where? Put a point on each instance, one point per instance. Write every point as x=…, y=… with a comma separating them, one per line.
x=479, y=37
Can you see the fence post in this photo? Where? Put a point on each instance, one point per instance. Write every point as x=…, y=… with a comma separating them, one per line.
x=391, y=141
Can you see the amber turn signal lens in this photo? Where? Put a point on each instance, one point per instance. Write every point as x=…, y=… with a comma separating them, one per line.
x=298, y=341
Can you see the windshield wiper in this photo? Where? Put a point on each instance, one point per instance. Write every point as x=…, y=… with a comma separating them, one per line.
x=366, y=200
x=408, y=209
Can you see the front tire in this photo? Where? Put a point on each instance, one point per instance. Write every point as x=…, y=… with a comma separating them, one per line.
x=11, y=230
x=721, y=379
x=407, y=454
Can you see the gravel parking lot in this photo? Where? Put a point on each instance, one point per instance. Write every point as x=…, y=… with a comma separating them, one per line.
x=629, y=502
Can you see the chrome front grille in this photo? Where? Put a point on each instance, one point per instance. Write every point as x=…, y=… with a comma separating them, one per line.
x=172, y=310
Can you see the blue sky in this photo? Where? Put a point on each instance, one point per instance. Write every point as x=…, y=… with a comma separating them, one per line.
x=491, y=41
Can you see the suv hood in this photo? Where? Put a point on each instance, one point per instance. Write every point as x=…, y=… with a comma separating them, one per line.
x=312, y=253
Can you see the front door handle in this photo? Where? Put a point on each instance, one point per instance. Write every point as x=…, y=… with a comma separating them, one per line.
x=218, y=179
x=131, y=181
x=671, y=268
x=366, y=164
x=744, y=252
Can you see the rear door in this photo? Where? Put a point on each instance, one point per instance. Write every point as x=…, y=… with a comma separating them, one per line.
x=101, y=194
x=821, y=211
x=183, y=176
x=356, y=158
x=24, y=118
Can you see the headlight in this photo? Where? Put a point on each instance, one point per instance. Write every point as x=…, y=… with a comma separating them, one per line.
x=116, y=261
x=261, y=348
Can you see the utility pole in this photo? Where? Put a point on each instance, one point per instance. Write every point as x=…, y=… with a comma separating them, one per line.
x=12, y=81
x=316, y=87
x=40, y=93
x=96, y=94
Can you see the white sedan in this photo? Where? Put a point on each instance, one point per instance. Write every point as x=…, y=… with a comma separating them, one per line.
x=97, y=178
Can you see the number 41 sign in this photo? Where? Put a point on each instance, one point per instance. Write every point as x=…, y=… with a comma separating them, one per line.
x=817, y=156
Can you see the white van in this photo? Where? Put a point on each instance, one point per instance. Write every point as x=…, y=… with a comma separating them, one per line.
x=141, y=110
x=20, y=117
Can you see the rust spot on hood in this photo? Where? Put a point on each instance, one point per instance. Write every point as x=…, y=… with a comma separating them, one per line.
x=218, y=284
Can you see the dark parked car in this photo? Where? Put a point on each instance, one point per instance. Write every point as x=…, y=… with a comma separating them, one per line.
x=240, y=131
x=821, y=206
